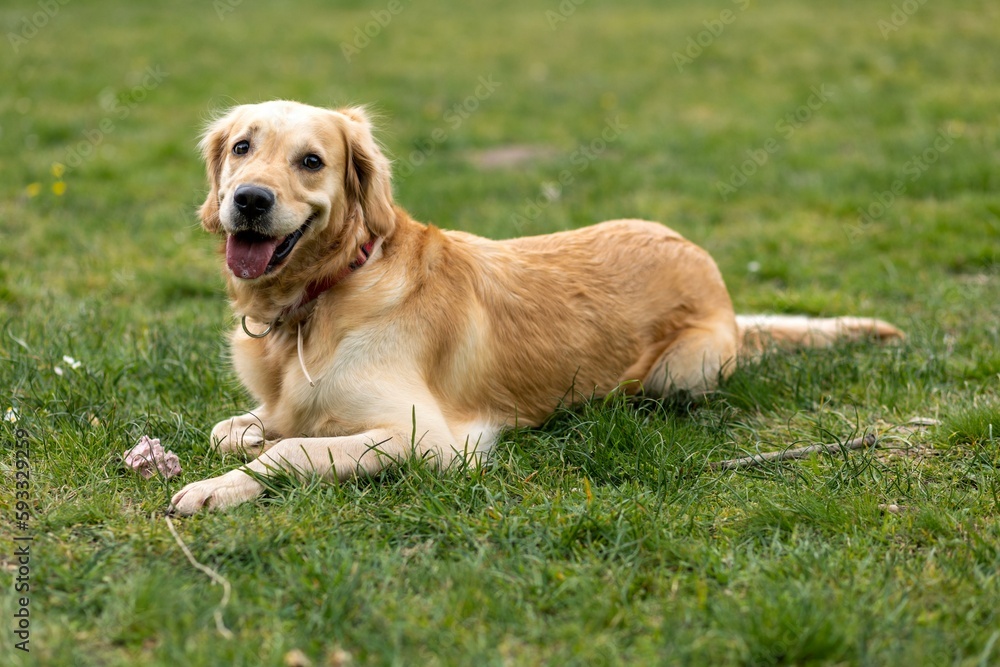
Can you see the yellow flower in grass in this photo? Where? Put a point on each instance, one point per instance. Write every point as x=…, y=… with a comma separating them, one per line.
x=59, y=188
x=33, y=189
x=58, y=169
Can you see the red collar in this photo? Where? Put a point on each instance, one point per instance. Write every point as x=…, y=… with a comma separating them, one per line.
x=315, y=289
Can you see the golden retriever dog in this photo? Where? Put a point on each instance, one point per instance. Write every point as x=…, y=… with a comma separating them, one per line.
x=367, y=337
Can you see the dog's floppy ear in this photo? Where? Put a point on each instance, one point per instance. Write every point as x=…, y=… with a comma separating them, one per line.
x=368, y=175
x=213, y=146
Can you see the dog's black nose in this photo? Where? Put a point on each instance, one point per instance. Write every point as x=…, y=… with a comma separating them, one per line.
x=253, y=201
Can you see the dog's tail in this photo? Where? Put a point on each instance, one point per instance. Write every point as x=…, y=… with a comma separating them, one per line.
x=759, y=332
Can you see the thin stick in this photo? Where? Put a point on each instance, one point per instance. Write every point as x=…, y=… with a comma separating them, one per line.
x=798, y=453
x=214, y=576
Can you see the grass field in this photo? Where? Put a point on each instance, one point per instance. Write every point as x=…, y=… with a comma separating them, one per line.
x=836, y=158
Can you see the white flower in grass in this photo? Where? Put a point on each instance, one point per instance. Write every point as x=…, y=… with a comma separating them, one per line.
x=11, y=415
x=69, y=361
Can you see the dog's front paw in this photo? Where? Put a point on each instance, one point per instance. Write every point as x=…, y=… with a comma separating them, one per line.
x=243, y=435
x=216, y=493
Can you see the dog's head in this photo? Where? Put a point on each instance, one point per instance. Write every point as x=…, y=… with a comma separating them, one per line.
x=291, y=185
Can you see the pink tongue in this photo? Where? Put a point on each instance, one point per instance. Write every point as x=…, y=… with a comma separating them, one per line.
x=247, y=256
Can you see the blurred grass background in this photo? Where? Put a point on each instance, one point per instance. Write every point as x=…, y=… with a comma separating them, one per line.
x=102, y=260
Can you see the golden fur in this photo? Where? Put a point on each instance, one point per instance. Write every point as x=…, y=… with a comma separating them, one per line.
x=442, y=339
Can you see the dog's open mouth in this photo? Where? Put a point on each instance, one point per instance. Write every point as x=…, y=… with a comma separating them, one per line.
x=250, y=255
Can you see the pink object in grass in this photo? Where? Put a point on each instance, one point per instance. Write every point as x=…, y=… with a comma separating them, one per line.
x=148, y=457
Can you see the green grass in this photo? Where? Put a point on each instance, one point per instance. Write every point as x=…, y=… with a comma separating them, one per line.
x=603, y=537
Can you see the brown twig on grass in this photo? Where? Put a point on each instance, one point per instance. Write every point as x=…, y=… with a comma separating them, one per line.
x=216, y=578
x=868, y=440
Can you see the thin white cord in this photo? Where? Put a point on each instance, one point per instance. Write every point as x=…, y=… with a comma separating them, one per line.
x=302, y=362
x=376, y=245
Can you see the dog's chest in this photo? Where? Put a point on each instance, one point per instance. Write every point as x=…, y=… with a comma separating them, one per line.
x=335, y=384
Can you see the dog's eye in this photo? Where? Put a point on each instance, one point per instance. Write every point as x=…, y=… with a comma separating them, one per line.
x=312, y=162
x=241, y=148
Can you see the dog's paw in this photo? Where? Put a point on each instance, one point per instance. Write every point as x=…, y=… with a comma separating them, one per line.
x=243, y=435
x=859, y=328
x=215, y=493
